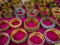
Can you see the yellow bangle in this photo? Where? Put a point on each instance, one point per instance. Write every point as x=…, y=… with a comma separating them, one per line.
x=0, y=14
x=16, y=31
x=4, y=22
x=40, y=35
x=15, y=20
x=57, y=44
x=31, y=29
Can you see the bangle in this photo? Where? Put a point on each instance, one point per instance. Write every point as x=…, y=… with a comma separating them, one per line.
x=52, y=25
x=17, y=4
x=57, y=22
x=28, y=24
x=3, y=1
x=39, y=36
x=7, y=36
x=45, y=12
x=21, y=31
x=29, y=4
x=15, y=23
x=20, y=13
x=4, y=25
x=55, y=34
x=32, y=13
x=56, y=12
x=7, y=13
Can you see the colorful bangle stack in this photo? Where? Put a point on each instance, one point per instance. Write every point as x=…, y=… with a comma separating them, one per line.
x=56, y=12
x=7, y=13
x=7, y=36
x=20, y=13
x=39, y=36
x=15, y=23
x=32, y=13
x=28, y=24
x=17, y=4
x=47, y=19
x=58, y=21
x=21, y=31
x=55, y=34
x=29, y=4
x=4, y=25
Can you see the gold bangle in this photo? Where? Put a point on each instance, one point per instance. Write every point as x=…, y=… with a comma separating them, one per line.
x=4, y=22
x=14, y=20
x=16, y=31
x=40, y=35
x=5, y=34
x=32, y=29
x=7, y=13
x=29, y=4
x=32, y=13
x=57, y=19
x=0, y=14
x=55, y=31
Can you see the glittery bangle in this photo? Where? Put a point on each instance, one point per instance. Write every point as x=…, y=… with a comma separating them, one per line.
x=20, y=13
x=14, y=21
x=3, y=22
x=31, y=29
x=5, y=34
x=32, y=13
x=16, y=31
x=55, y=31
x=46, y=26
x=38, y=34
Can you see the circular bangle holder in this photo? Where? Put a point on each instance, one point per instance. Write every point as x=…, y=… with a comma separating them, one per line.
x=5, y=39
x=57, y=44
x=56, y=12
x=7, y=13
x=31, y=24
x=47, y=22
x=17, y=4
x=52, y=36
x=58, y=21
x=19, y=35
x=15, y=23
x=29, y=4
x=4, y=25
x=32, y=13
x=20, y=13
x=45, y=12
x=36, y=38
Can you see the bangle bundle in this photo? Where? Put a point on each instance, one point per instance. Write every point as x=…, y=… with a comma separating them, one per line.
x=47, y=19
x=32, y=13
x=7, y=36
x=20, y=13
x=39, y=36
x=28, y=24
x=15, y=23
x=21, y=31
x=4, y=25
x=52, y=39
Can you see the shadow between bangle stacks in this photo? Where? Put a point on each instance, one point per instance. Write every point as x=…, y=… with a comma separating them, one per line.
x=4, y=25
x=57, y=32
x=14, y=21
x=31, y=29
x=46, y=26
x=38, y=34
x=5, y=34
x=16, y=31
